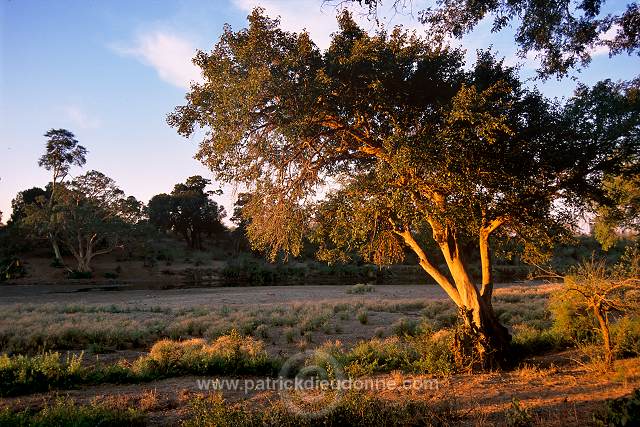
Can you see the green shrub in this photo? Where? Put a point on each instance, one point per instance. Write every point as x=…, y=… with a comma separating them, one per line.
x=64, y=412
x=21, y=374
x=626, y=336
x=624, y=411
x=528, y=340
x=517, y=415
x=425, y=353
x=228, y=354
x=570, y=320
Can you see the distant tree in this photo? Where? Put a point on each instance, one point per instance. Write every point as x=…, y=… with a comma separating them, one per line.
x=62, y=152
x=188, y=211
x=412, y=145
x=562, y=33
x=86, y=216
x=23, y=199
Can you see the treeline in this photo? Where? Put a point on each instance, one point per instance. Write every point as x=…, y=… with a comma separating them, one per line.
x=89, y=215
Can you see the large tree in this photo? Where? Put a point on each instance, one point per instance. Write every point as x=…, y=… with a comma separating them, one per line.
x=405, y=143
x=189, y=211
x=62, y=151
x=563, y=34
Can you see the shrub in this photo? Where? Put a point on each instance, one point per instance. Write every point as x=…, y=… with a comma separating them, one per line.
x=228, y=354
x=21, y=374
x=406, y=327
x=75, y=274
x=363, y=317
x=528, y=340
x=624, y=411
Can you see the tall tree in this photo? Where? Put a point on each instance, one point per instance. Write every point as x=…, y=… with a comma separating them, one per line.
x=562, y=33
x=62, y=152
x=407, y=143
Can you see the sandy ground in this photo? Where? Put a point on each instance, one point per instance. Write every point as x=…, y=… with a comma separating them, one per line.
x=123, y=294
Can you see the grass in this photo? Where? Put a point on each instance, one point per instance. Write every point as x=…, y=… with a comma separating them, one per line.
x=34, y=329
x=354, y=409
x=65, y=412
x=360, y=288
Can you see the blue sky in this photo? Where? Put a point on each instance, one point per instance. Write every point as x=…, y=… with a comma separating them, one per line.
x=110, y=71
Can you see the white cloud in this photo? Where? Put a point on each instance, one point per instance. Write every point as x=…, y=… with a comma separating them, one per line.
x=80, y=118
x=169, y=54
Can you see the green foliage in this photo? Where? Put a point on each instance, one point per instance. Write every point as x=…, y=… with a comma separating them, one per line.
x=354, y=409
x=363, y=317
x=528, y=340
x=406, y=327
x=425, y=353
x=624, y=411
x=22, y=374
x=65, y=412
x=571, y=320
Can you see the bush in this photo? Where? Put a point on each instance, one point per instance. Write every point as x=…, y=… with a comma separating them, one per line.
x=64, y=412
x=228, y=354
x=74, y=274
x=528, y=340
x=425, y=353
x=570, y=320
x=23, y=374
x=624, y=411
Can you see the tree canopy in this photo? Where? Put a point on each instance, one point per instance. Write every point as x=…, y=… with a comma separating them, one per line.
x=404, y=142
x=563, y=34
x=188, y=211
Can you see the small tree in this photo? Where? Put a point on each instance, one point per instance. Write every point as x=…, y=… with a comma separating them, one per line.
x=605, y=292
x=62, y=152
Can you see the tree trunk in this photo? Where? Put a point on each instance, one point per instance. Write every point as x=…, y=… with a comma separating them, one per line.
x=491, y=338
x=604, y=330
x=487, y=274
x=56, y=248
